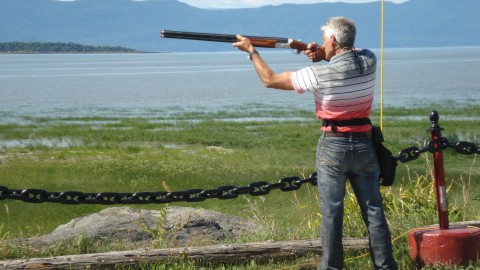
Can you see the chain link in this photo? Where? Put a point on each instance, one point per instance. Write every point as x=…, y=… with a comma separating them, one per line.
x=466, y=148
x=192, y=195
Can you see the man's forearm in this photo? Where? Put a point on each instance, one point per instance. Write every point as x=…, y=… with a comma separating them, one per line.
x=268, y=77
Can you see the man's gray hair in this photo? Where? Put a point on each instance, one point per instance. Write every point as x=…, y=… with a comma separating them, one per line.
x=344, y=31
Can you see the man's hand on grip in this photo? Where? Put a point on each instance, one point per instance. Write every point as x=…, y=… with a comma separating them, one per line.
x=315, y=52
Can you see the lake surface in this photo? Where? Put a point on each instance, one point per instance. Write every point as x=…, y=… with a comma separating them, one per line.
x=77, y=85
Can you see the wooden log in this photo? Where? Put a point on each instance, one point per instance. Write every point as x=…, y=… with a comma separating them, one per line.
x=229, y=253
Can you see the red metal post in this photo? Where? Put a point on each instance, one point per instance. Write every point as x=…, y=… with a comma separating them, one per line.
x=430, y=246
x=439, y=174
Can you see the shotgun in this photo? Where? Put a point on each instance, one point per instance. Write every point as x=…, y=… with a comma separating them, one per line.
x=257, y=41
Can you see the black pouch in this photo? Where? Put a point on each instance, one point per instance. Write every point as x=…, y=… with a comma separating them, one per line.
x=388, y=164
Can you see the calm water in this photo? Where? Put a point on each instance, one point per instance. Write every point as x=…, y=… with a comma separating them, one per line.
x=136, y=84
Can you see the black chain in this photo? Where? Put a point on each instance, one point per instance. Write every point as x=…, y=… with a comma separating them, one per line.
x=413, y=152
x=198, y=195
x=191, y=195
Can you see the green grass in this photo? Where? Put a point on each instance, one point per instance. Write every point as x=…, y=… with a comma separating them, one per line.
x=235, y=147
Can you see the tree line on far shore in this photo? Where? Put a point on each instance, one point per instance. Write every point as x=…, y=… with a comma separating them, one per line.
x=59, y=47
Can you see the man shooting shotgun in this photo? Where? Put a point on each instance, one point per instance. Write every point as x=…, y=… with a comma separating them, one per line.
x=343, y=91
x=257, y=41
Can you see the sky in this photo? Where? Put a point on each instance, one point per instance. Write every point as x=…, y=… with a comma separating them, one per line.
x=257, y=3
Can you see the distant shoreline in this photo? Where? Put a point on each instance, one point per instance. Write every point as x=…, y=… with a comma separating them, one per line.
x=59, y=48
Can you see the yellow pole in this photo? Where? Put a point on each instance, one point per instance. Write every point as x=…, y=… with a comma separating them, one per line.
x=381, y=65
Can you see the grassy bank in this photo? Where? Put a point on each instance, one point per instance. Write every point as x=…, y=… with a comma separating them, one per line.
x=235, y=147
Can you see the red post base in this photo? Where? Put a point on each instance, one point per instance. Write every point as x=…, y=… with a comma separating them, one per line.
x=458, y=246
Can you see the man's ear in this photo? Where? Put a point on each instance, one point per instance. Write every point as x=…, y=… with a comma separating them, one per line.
x=333, y=40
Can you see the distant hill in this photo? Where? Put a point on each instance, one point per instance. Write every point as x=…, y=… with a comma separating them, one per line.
x=137, y=24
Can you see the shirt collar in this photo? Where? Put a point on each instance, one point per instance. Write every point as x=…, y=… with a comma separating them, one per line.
x=342, y=56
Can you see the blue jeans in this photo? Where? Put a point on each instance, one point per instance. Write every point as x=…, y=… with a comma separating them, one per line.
x=339, y=159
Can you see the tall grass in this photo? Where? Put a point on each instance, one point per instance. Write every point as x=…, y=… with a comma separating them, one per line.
x=207, y=150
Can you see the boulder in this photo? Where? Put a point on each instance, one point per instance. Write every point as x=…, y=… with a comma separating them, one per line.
x=176, y=226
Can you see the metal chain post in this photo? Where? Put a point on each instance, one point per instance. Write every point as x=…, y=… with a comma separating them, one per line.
x=439, y=173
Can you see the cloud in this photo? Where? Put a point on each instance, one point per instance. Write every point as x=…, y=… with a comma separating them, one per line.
x=225, y=4
x=222, y=4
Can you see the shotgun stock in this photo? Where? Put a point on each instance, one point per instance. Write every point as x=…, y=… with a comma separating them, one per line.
x=257, y=41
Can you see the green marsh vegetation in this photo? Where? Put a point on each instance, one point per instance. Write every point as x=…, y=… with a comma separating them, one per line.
x=186, y=150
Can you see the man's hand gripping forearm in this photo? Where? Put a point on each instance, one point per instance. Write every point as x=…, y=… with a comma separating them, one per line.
x=269, y=78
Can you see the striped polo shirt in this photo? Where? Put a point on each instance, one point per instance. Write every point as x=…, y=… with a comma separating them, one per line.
x=343, y=88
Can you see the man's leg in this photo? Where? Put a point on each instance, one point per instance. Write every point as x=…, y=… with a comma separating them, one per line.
x=367, y=190
x=331, y=185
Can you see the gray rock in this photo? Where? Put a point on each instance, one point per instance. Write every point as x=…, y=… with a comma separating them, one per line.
x=178, y=226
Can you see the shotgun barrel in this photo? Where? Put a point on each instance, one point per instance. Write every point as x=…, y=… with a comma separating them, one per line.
x=258, y=41
x=220, y=37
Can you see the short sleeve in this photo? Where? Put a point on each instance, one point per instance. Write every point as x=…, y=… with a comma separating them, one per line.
x=304, y=80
